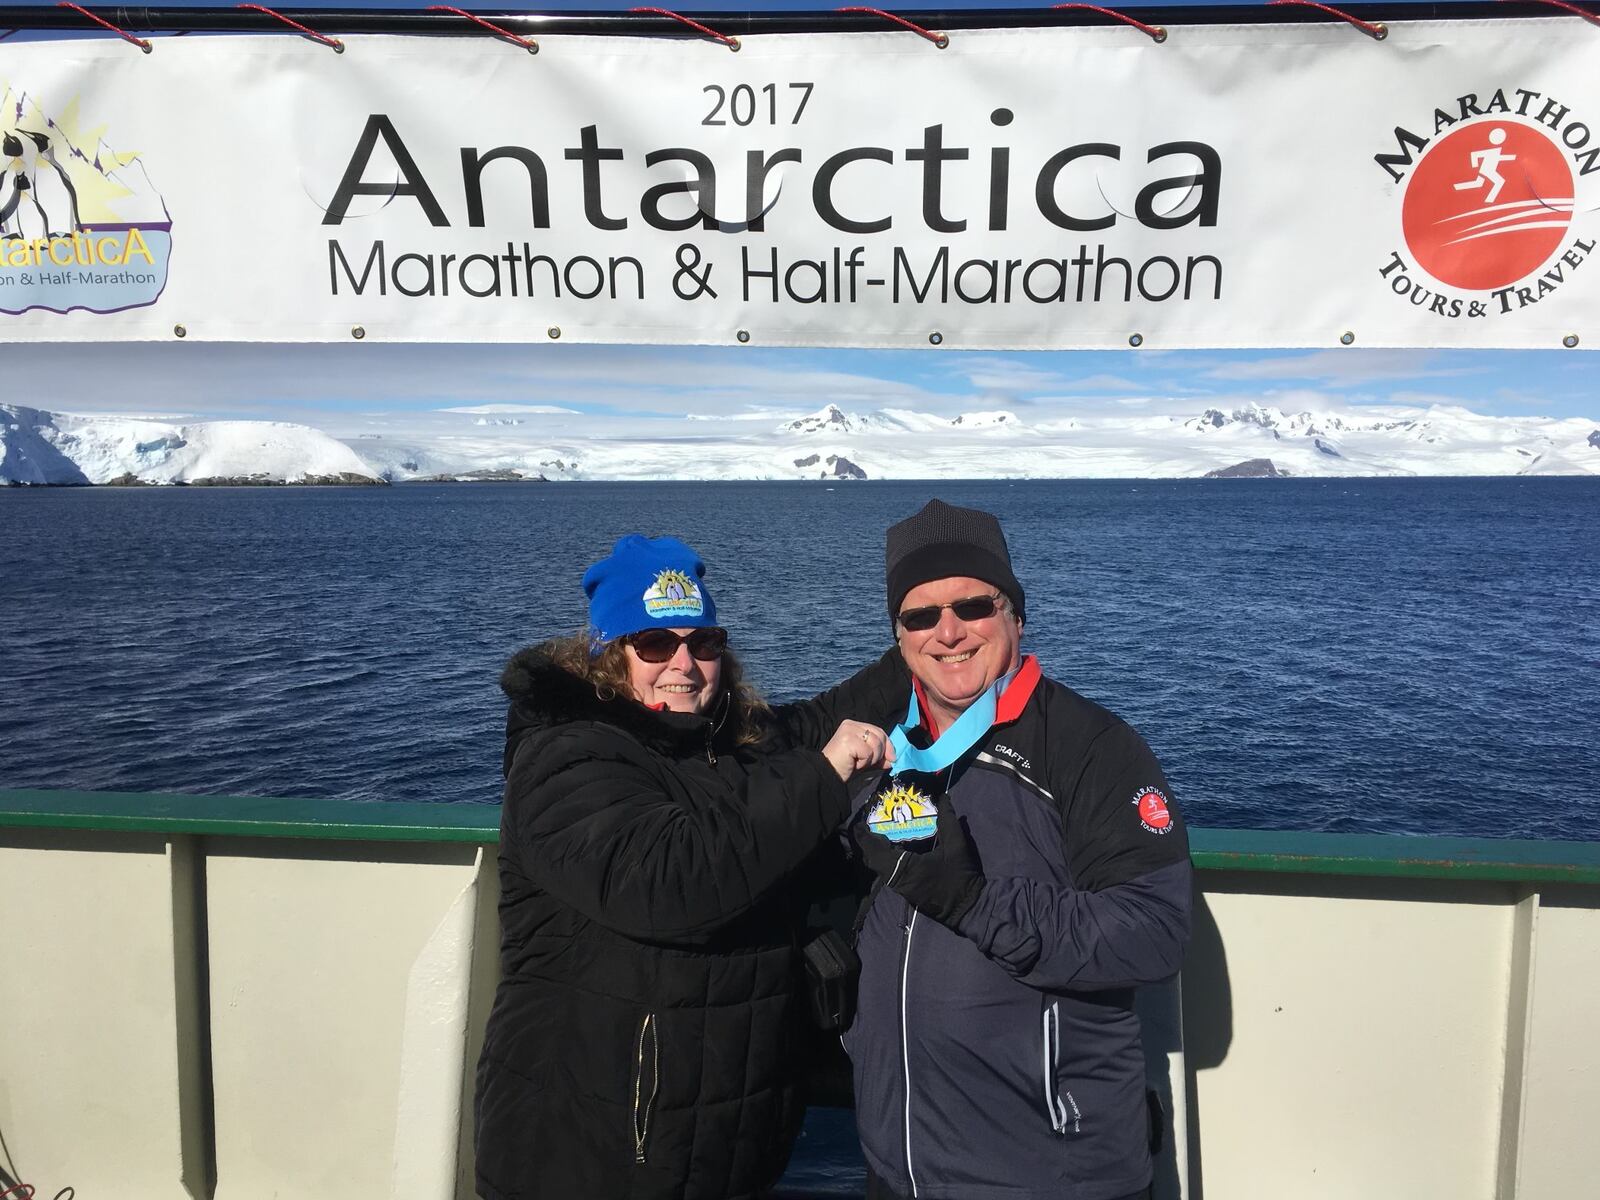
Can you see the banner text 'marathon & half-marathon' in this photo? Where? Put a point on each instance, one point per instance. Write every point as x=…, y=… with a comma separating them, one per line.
x=922, y=270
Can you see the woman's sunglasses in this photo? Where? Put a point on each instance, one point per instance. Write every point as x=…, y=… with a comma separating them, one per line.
x=659, y=645
x=973, y=608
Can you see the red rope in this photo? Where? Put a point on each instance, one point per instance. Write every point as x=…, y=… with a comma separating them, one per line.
x=940, y=40
x=1574, y=9
x=335, y=43
x=1375, y=31
x=22, y=1191
x=528, y=44
x=1156, y=33
x=104, y=24
x=732, y=43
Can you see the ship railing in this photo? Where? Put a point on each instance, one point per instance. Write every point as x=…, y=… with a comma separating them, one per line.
x=224, y=996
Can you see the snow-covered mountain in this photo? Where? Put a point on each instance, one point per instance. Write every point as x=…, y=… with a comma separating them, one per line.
x=46, y=447
x=831, y=444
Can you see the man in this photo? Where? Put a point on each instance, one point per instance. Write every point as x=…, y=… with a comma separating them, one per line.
x=995, y=1049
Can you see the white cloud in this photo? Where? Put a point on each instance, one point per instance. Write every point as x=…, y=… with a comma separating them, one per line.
x=1106, y=383
x=1336, y=368
x=491, y=410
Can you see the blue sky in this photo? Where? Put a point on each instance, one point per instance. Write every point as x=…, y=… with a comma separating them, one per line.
x=332, y=386
x=327, y=385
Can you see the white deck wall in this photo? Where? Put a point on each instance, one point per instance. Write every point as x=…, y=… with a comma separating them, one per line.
x=241, y=1018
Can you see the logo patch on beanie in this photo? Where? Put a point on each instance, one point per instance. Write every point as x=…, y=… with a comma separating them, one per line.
x=673, y=594
x=901, y=813
x=1154, y=815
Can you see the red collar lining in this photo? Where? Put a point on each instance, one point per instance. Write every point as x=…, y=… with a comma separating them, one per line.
x=1007, y=708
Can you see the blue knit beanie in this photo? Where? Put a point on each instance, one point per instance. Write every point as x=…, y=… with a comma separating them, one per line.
x=647, y=583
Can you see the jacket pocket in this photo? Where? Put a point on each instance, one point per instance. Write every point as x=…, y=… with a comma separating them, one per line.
x=1061, y=1108
x=646, y=1082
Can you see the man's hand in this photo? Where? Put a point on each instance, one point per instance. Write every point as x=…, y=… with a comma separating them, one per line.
x=941, y=880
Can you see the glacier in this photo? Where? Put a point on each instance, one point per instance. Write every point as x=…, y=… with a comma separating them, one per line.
x=893, y=443
x=553, y=443
x=39, y=447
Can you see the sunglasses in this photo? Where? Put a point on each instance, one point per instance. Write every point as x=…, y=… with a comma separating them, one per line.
x=973, y=608
x=659, y=645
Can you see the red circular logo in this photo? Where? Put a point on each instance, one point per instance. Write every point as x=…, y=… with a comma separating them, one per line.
x=1488, y=204
x=1153, y=809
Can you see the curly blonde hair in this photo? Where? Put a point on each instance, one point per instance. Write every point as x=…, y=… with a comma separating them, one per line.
x=605, y=668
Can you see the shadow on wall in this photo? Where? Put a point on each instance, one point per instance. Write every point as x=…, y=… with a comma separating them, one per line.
x=1207, y=1025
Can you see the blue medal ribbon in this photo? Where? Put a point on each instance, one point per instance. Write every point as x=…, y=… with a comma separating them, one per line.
x=955, y=741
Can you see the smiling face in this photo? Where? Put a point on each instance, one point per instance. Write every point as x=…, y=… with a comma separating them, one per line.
x=957, y=661
x=683, y=683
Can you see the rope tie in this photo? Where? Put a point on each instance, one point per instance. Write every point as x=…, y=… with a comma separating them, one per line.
x=1156, y=33
x=732, y=43
x=1377, y=31
x=105, y=24
x=940, y=40
x=1574, y=9
x=333, y=43
x=528, y=44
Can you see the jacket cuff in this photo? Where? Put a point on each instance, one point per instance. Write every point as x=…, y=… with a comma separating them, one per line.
x=834, y=802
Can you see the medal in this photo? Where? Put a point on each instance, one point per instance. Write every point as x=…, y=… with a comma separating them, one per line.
x=902, y=812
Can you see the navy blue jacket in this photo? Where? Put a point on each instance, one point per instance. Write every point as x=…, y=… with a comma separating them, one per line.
x=1002, y=1061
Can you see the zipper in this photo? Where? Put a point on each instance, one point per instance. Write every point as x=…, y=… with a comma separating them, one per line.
x=905, y=1052
x=905, y=972
x=1050, y=1041
x=642, y=1104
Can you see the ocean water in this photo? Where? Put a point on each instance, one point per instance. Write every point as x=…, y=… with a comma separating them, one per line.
x=1406, y=656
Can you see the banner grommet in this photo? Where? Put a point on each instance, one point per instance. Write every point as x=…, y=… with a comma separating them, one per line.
x=1570, y=341
x=358, y=332
x=179, y=331
x=1347, y=338
x=1136, y=340
x=742, y=336
x=553, y=332
x=935, y=338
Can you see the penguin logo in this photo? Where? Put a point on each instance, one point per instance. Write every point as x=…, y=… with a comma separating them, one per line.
x=901, y=813
x=673, y=594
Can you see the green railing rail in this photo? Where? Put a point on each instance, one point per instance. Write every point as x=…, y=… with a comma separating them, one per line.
x=1287, y=851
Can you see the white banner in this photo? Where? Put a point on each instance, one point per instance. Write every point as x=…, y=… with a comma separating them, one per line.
x=1258, y=186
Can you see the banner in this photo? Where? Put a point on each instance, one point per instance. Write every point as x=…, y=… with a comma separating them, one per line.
x=1236, y=186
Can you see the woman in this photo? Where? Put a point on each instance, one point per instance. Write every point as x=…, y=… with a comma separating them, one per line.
x=641, y=1043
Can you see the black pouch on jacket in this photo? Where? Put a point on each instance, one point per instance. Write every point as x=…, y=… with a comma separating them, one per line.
x=832, y=972
x=1158, y=1120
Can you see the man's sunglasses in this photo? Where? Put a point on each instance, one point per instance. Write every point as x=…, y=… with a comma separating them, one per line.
x=973, y=608
x=659, y=645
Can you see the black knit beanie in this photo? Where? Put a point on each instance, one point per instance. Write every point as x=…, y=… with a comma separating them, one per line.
x=942, y=541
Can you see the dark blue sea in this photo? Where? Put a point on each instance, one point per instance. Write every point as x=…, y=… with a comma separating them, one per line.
x=1409, y=656
x=1405, y=656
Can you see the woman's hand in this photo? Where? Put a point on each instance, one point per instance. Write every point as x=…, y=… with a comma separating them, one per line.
x=856, y=746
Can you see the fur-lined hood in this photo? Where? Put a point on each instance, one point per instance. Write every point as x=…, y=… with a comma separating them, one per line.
x=544, y=695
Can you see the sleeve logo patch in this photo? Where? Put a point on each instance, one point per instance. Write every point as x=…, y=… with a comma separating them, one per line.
x=1154, y=814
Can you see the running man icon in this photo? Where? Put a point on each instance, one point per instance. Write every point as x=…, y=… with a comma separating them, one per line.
x=1488, y=161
